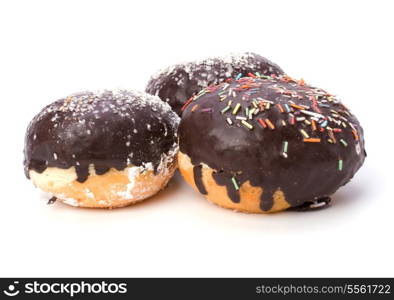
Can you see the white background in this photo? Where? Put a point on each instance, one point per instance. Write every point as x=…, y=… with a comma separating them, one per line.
x=49, y=49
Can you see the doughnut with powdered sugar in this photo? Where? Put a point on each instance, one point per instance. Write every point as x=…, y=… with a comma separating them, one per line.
x=102, y=149
x=176, y=84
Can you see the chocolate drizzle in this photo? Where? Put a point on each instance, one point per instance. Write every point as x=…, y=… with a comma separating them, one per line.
x=307, y=146
x=106, y=129
x=178, y=83
x=197, y=172
x=222, y=178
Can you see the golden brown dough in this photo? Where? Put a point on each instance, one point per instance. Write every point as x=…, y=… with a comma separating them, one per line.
x=250, y=196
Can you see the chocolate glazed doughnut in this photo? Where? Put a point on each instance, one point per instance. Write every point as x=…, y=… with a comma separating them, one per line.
x=103, y=149
x=264, y=144
x=176, y=84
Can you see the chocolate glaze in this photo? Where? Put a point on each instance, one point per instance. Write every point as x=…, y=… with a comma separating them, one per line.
x=308, y=171
x=107, y=129
x=178, y=83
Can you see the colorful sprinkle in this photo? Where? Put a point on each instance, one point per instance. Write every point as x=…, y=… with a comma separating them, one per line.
x=262, y=123
x=355, y=135
x=311, y=113
x=340, y=164
x=331, y=135
x=312, y=140
x=280, y=108
x=238, y=76
x=202, y=92
x=229, y=121
x=187, y=103
x=314, y=125
x=225, y=109
x=323, y=105
x=235, y=183
x=288, y=109
x=343, y=142
x=296, y=106
x=269, y=123
x=303, y=132
x=324, y=123
x=265, y=76
x=251, y=75
x=251, y=113
x=236, y=108
x=247, y=125
x=285, y=147
x=316, y=109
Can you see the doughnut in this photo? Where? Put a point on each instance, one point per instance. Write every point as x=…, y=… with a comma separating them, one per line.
x=264, y=144
x=102, y=149
x=176, y=84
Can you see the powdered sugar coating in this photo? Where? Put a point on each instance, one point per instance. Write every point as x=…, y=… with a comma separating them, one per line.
x=176, y=84
x=167, y=160
x=80, y=104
